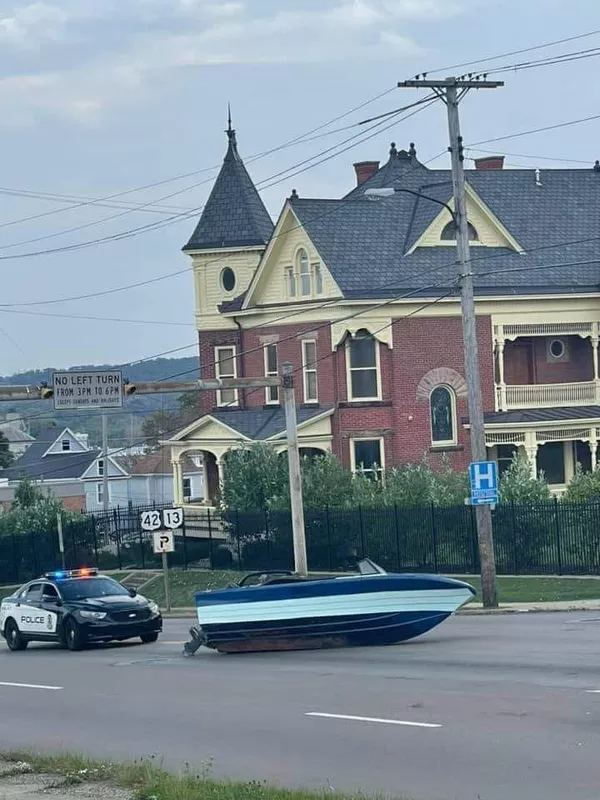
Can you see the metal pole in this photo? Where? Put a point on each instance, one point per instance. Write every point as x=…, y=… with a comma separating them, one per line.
x=61, y=541
x=165, y=566
x=483, y=514
x=105, y=503
x=289, y=404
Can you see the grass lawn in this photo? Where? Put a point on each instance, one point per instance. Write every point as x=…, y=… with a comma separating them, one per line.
x=184, y=583
x=147, y=780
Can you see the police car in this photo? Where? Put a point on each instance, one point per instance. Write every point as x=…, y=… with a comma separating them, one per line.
x=74, y=608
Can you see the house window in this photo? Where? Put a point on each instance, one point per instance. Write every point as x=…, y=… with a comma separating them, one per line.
x=362, y=355
x=272, y=392
x=228, y=279
x=304, y=271
x=505, y=454
x=367, y=457
x=442, y=405
x=225, y=368
x=187, y=489
x=309, y=371
x=557, y=350
x=551, y=461
x=65, y=445
x=101, y=467
x=100, y=493
x=291, y=282
x=450, y=231
x=318, y=279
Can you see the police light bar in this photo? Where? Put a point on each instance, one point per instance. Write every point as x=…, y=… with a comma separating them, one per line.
x=84, y=572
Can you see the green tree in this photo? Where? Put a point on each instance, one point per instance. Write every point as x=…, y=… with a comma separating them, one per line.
x=254, y=478
x=584, y=486
x=518, y=485
x=6, y=457
x=32, y=510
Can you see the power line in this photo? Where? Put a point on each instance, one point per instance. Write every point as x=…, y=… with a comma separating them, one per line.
x=96, y=319
x=546, y=62
x=514, y=52
x=536, y=157
x=533, y=130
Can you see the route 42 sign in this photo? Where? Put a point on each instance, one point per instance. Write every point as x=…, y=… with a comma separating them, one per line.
x=164, y=542
x=171, y=518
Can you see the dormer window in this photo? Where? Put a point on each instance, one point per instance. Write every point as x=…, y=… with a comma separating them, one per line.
x=450, y=231
x=304, y=279
x=65, y=445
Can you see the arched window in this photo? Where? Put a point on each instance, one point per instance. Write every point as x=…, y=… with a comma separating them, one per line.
x=304, y=271
x=442, y=405
x=362, y=356
x=449, y=232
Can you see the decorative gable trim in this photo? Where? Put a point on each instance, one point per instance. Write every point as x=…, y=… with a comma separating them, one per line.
x=196, y=426
x=480, y=209
x=66, y=433
x=380, y=329
x=91, y=472
x=303, y=425
x=287, y=215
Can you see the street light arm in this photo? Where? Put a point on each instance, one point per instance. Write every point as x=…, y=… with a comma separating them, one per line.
x=387, y=192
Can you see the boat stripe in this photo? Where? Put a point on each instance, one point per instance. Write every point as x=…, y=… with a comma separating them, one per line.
x=334, y=605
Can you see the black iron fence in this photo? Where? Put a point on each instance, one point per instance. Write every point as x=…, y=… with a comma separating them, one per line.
x=535, y=539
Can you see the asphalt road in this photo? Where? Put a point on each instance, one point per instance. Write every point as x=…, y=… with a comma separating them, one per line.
x=513, y=697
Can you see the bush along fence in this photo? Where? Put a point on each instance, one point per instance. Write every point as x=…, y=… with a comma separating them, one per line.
x=534, y=539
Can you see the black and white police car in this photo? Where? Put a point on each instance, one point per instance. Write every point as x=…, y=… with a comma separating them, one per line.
x=77, y=607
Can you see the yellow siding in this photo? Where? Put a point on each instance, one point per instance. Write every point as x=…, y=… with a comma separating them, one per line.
x=209, y=292
x=271, y=286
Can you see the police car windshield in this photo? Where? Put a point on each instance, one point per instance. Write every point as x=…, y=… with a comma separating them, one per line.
x=79, y=588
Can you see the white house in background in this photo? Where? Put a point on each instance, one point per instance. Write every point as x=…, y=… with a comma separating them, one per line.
x=14, y=429
x=140, y=480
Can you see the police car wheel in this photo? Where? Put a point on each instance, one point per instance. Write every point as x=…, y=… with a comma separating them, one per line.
x=149, y=638
x=73, y=637
x=14, y=640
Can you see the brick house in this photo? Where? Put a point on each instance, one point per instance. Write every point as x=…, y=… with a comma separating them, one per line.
x=360, y=294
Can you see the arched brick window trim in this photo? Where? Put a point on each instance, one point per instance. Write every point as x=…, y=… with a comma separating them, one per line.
x=440, y=376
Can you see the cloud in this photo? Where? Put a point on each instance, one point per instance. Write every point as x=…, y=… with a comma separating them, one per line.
x=28, y=25
x=152, y=38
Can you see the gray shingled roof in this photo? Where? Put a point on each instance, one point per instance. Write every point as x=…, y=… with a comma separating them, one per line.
x=540, y=415
x=234, y=214
x=34, y=464
x=364, y=242
x=261, y=424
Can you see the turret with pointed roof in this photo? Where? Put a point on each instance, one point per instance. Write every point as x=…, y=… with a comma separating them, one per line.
x=234, y=214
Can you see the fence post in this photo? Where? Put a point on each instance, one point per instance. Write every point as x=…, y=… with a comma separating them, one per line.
x=73, y=548
x=474, y=543
x=15, y=557
x=328, y=523
x=397, y=524
x=433, y=537
x=515, y=549
x=141, y=537
x=558, y=537
x=362, y=532
x=95, y=535
x=237, y=533
x=34, y=553
x=210, y=538
x=184, y=535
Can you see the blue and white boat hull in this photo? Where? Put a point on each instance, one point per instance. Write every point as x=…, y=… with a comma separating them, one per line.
x=371, y=609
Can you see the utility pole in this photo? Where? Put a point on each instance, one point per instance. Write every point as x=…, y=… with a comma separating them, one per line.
x=105, y=503
x=289, y=405
x=451, y=91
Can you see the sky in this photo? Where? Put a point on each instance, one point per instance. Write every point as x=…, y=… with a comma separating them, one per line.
x=101, y=98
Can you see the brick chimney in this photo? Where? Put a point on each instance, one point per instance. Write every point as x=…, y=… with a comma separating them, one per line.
x=489, y=162
x=364, y=170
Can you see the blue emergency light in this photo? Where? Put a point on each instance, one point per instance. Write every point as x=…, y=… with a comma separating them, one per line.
x=85, y=572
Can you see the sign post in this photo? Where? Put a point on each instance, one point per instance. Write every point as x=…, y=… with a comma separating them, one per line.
x=163, y=540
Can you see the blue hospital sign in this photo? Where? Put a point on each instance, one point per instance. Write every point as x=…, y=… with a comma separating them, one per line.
x=483, y=477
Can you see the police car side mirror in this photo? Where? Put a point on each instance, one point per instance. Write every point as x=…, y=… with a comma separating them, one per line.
x=132, y=591
x=49, y=598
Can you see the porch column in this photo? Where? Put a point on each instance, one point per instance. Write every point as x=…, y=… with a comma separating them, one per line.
x=569, y=461
x=531, y=448
x=177, y=482
x=220, y=473
x=593, y=448
x=502, y=385
x=594, y=340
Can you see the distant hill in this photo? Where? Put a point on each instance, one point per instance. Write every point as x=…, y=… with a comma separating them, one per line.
x=124, y=424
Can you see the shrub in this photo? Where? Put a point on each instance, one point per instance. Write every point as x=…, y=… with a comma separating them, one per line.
x=222, y=558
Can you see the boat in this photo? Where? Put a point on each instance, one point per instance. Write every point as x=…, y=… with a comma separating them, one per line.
x=280, y=610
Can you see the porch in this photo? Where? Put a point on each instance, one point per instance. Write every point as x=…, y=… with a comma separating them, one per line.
x=529, y=358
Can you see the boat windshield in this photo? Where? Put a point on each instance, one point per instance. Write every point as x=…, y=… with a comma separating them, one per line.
x=368, y=567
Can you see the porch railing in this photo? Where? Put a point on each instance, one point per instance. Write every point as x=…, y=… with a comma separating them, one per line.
x=547, y=395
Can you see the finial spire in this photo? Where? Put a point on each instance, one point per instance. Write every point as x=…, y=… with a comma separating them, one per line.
x=232, y=150
x=229, y=128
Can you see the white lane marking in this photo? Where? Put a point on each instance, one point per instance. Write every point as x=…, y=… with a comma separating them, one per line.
x=31, y=686
x=593, y=691
x=374, y=719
